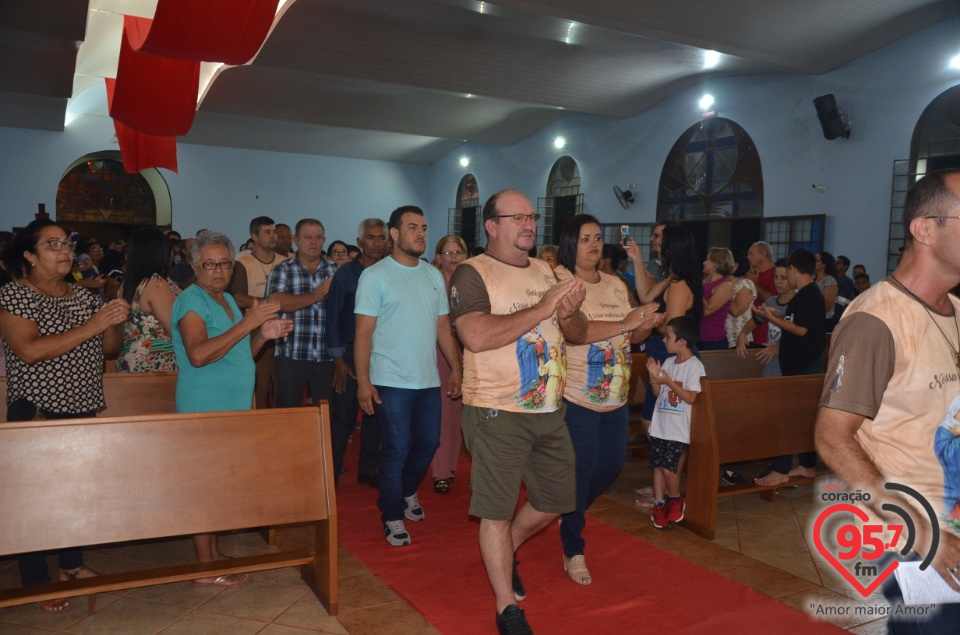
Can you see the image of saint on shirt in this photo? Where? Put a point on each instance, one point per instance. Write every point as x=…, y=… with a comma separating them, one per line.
x=531, y=354
x=608, y=373
x=946, y=444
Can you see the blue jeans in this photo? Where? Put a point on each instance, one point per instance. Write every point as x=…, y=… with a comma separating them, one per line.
x=600, y=444
x=409, y=437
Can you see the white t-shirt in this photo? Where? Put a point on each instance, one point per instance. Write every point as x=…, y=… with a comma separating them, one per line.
x=671, y=417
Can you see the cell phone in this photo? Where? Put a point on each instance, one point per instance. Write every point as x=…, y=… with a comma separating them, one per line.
x=625, y=233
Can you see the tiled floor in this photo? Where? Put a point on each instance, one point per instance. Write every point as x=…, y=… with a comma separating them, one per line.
x=763, y=545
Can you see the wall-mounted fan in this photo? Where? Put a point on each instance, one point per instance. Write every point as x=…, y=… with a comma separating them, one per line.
x=625, y=197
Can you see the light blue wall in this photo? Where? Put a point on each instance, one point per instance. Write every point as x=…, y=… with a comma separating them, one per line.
x=883, y=93
x=216, y=188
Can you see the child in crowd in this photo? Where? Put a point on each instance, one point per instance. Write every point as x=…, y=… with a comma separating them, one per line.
x=769, y=355
x=676, y=385
x=861, y=282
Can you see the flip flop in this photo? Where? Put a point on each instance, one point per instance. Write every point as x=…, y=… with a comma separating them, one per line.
x=235, y=579
x=53, y=606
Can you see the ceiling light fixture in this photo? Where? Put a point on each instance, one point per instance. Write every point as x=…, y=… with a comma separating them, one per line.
x=464, y=162
x=955, y=62
x=706, y=101
x=559, y=142
x=710, y=59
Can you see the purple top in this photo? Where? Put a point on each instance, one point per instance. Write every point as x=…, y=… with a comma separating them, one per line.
x=712, y=326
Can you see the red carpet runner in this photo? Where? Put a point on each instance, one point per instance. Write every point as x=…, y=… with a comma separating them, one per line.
x=637, y=588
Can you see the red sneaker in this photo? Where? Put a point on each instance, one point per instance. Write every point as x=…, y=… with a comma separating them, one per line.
x=659, y=516
x=675, y=509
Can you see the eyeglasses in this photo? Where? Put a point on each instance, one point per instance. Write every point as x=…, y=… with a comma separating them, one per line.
x=519, y=219
x=339, y=252
x=56, y=244
x=210, y=265
x=941, y=216
x=452, y=253
x=590, y=239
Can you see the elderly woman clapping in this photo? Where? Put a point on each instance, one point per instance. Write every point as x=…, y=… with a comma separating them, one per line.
x=214, y=345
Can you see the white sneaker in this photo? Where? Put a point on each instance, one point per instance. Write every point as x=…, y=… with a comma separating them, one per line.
x=396, y=533
x=413, y=510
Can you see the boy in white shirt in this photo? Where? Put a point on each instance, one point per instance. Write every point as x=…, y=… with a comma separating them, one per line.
x=676, y=385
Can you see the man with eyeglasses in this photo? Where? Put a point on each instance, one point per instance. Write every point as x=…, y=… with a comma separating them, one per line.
x=248, y=285
x=300, y=286
x=341, y=333
x=510, y=313
x=891, y=395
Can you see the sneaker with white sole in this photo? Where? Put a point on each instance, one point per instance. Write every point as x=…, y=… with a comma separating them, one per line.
x=396, y=533
x=413, y=511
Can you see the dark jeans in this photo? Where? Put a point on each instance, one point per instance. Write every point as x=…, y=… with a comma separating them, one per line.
x=600, y=444
x=33, y=566
x=293, y=375
x=409, y=435
x=783, y=464
x=343, y=417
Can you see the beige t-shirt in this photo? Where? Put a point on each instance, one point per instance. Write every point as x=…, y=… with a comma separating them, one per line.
x=598, y=374
x=890, y=362
x=251, y=276
x=526, y=376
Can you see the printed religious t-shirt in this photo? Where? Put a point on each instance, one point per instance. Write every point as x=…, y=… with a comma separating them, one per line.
x=889, y=362
x=524, y=376
x=598, y=374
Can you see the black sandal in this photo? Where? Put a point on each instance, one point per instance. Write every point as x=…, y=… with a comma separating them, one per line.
x=441, y=486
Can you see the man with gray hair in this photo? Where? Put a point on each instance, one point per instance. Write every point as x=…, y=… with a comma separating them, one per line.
x=341, y=332
x=761, y=271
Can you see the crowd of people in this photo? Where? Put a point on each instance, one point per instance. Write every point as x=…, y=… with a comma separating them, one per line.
x=526, y=358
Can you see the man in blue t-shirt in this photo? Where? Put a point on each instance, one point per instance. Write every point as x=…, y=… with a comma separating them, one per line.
x=402, y=314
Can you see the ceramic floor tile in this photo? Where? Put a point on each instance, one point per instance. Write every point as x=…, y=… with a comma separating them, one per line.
x=876, y=627
x=13, y=629
x=307, y=612
x=185, y=594
x=768, y=580
x=396, y=618
x=29, y=615
x=834, y=607
x=255, y=601
x=197, y=623
x=363, y=591
x=129, y=617
x=280, y=629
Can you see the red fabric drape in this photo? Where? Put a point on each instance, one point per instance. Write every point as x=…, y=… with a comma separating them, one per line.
x=154, y=95
x=228, y=31
x=140, y=150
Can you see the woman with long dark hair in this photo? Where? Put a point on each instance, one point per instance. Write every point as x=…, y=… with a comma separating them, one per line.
x=146, y=334
x=597, y=377
x=55, y=335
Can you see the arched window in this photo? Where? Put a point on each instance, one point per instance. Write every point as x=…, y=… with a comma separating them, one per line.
x=562, y=202
x=96, y=197
x=464, y=219
x=935, y=146
x=713, y=182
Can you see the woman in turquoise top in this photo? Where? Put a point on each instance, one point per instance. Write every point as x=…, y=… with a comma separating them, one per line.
x=215, y=350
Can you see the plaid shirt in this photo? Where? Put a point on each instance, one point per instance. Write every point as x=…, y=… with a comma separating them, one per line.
x=306, y=342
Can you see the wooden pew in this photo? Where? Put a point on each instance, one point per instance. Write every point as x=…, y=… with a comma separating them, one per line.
x=741, y=420
x=127, y=394
x=106, y=480
x=717, y=364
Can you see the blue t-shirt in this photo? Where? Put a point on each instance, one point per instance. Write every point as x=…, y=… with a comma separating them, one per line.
x=226, y=384
x=406, y=302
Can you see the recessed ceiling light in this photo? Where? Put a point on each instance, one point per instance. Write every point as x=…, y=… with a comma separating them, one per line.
x=955, y=62
x=710, y=59
x=705, y=102
x=559, y=142
x=464, y=162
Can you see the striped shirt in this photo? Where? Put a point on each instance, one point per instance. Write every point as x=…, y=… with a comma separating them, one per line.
x=307, y=341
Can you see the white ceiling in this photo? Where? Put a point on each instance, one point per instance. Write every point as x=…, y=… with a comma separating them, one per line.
x=409, y=80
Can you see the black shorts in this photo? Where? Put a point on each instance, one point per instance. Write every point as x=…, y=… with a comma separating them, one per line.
x=666, y=453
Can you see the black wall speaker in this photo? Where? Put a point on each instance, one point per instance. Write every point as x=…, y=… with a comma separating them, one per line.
x=832, y=121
